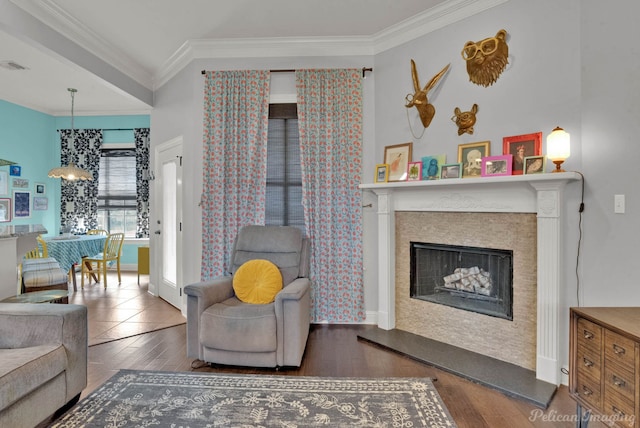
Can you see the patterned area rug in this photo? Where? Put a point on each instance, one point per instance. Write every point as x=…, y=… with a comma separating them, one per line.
x=176, y=399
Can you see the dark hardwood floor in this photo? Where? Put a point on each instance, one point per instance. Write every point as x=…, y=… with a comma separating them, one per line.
x=334, y=350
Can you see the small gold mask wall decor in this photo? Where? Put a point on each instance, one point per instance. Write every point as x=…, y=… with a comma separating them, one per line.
x=419, y=98
x=465, y=119
x=486, y=59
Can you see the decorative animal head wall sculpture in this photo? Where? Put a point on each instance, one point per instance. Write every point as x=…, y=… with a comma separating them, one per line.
x=465, y=120
x=419, y=98
x=486, y=59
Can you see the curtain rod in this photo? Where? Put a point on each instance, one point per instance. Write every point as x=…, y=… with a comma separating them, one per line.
x=291, y=70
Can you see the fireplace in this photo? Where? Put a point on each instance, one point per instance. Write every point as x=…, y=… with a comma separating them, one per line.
x=538, y=194
x=469, y=278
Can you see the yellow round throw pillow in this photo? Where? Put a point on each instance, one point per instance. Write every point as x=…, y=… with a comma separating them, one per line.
x=257, y=281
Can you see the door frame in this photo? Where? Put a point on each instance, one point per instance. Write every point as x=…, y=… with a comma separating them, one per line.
x=155, y=242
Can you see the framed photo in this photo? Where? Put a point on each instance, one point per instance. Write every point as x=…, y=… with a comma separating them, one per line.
x=4, y=183
x=398, y=158
x=40, y=188
x=535, y=164
x=414, y=171
x=40, y=203
x=15, y=170
x=470, y=156
x=5, y=210
x=521, y=146
x=431, y=166
x=495, y=166
x=382, y=173
x=21, y=204
x=20, y=183
x=450, y=170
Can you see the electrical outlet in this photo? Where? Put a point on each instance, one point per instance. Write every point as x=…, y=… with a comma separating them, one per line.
x=618, y=204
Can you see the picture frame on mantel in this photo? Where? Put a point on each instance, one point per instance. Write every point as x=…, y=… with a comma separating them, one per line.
x=497, y=166
x=470, y=155
x=398, y=157
x=382, y=173
x=522, y=146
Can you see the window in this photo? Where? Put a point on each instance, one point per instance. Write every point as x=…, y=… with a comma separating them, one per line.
x=117, y=191
x=284, y=178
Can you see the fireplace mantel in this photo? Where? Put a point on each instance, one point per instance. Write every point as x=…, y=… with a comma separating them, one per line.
x=537, y=193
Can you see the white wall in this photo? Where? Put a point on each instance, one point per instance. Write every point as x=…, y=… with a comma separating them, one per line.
x=573, y=64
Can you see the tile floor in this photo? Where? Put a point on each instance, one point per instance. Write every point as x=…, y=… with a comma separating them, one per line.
x=123, y=310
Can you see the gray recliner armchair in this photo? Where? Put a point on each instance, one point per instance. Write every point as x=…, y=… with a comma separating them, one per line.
x=222, y=329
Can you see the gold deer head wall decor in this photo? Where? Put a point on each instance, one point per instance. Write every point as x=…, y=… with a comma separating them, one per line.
x=486, y=59
x=465, y=119
x=419, y=98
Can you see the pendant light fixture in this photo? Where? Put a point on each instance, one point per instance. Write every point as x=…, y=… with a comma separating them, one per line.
x=71, y=172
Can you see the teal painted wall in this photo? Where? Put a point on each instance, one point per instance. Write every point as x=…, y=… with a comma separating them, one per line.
x=30, y=138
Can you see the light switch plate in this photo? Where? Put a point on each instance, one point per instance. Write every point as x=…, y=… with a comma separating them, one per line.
x=618, y=204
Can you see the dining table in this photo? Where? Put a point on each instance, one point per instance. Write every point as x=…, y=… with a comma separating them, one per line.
x=69, y=250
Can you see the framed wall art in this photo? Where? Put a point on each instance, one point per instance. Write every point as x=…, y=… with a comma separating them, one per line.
x=382, y=173
x=15, y=170
x=495, y=166
x=450, y=170
x=431, y=166
x=40, y=188
x=521, y=146
x=398, y=158
x=470, y=156
x=20, y=183
x=414, y=171
x=40, y=203
x=535, y=164
x=4, y=183
x=21, y=204
x=5, y=210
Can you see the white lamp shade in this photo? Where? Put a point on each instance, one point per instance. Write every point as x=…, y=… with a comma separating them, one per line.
x=558, y=145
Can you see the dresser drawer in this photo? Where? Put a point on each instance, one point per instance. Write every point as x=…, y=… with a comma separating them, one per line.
x=620, y=350
x=588, y=362
x=589, y=335
x=619, y=410
x=620, y=381
x=588, y=389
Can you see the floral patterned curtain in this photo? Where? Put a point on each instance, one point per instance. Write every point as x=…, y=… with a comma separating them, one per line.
x=236, y=115
x=330, y=122
x=141, y=136
x=79, y=199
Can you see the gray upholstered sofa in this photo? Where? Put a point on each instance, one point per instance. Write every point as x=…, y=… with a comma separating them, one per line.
x=222, y=329
x=43, y=360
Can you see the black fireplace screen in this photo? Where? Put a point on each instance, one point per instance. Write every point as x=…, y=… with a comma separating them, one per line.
x=469, y=278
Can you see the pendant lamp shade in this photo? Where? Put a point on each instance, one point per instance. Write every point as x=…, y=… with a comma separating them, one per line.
x=71, y=172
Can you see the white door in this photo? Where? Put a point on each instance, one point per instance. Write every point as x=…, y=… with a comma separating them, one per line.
x=168, y=227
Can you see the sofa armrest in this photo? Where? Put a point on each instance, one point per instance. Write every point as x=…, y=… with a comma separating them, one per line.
x=200, y=296
x=26, y=324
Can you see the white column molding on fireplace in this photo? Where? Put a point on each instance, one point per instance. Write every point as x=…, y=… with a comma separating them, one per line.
x=538, y=193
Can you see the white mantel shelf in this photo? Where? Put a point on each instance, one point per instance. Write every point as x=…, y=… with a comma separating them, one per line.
x=541, y=194
x=482, y=181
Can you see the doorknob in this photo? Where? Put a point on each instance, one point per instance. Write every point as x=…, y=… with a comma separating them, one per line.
x=157, y=232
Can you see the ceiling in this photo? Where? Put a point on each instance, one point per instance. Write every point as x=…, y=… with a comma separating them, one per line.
x=117, y=52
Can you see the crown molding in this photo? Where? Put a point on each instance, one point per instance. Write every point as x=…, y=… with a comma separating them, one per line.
x=58, y=19
x=419, y=25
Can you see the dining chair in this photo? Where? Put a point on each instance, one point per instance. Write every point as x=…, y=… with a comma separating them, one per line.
x=111, y=253
x=97, y=232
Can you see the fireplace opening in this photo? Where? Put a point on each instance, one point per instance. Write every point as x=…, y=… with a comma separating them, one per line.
x=469, y=278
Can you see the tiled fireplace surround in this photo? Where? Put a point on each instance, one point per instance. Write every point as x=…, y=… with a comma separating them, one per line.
x=519, y=213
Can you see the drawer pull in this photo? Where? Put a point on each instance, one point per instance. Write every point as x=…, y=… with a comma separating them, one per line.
x=618, y=382
x=587, y=362
x=586, y=391
x=587, y=334
x=619, y=350
x=617, y=411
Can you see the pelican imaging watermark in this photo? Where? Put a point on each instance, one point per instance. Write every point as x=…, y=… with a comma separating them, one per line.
x=553, y=416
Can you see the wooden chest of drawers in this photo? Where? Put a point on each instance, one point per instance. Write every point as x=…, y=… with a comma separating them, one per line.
x=604, y=363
